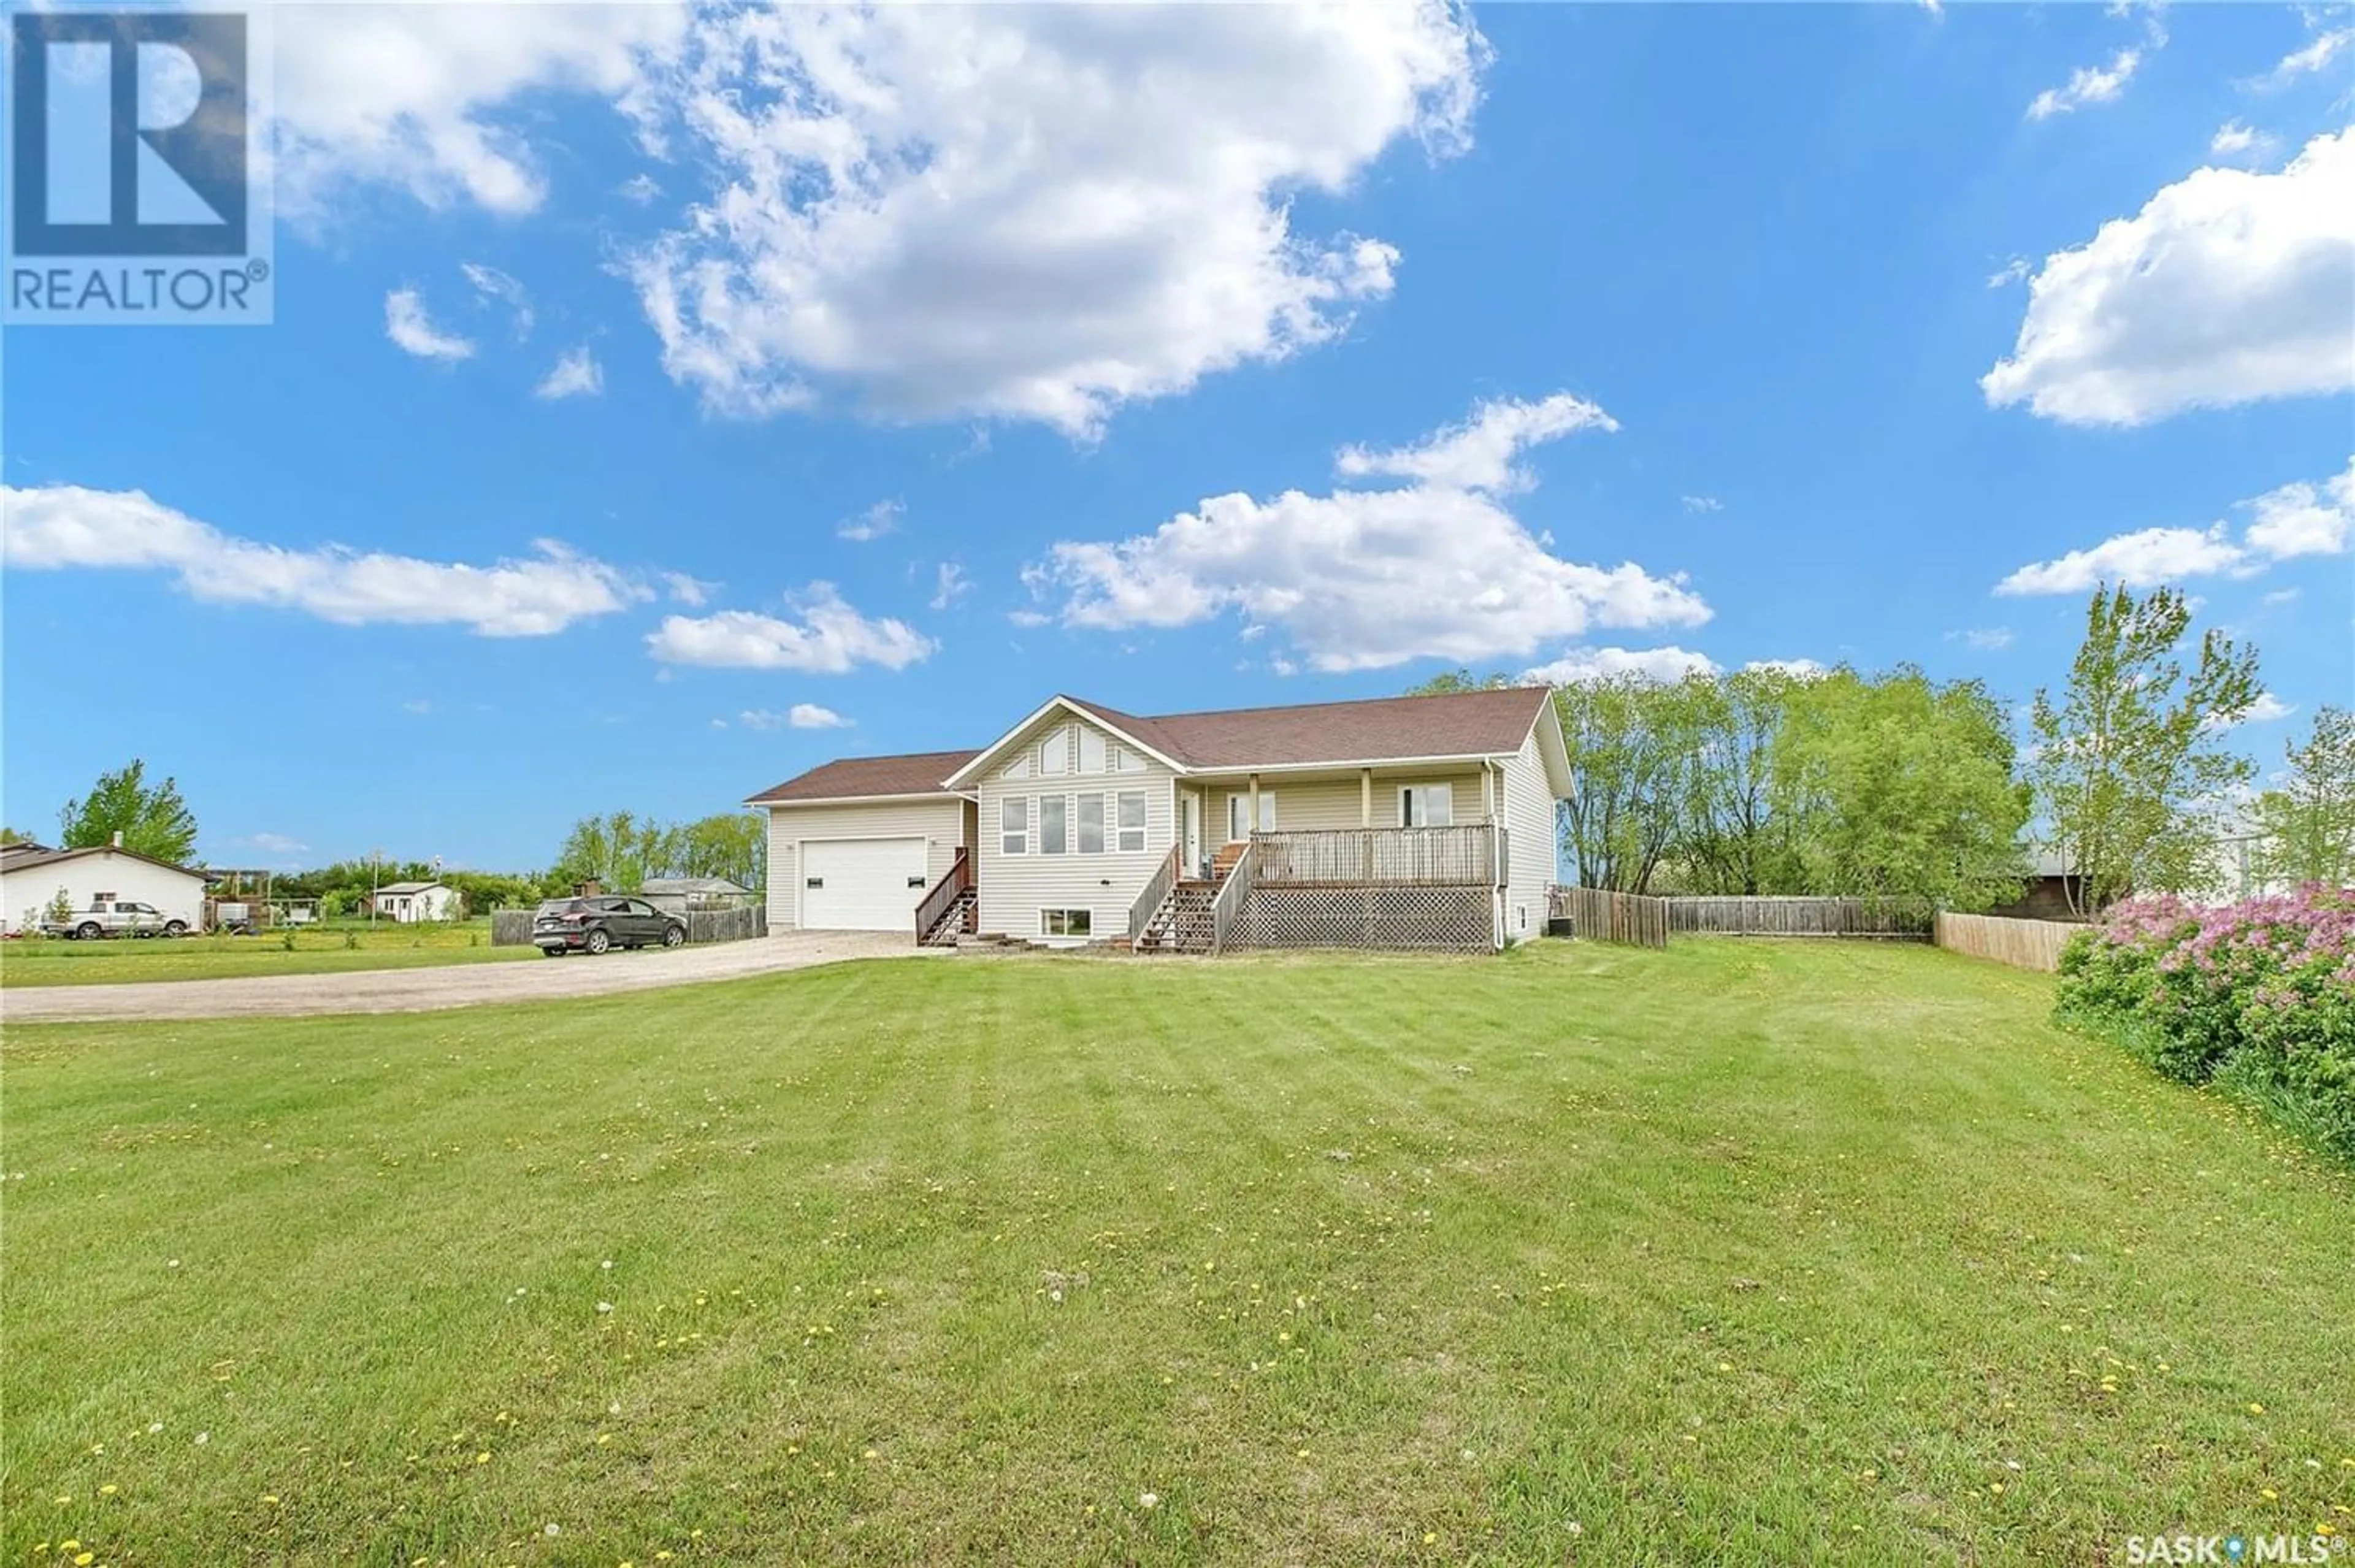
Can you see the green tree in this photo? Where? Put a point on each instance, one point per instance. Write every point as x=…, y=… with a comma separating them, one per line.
x=1729, y=838
x=1630, y=743
x=153, y=820
x=2129, y=765
x=1898, y=786
x=2309, y=823
x=619, y=850
x=733, y=845
x=1447, y=682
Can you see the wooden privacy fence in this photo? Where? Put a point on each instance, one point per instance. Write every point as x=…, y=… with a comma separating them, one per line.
x=512, y=927
x=1598, y=914
x=2022, y=944
x=1904, y=920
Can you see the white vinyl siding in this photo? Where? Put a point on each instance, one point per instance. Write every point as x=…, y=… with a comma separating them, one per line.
x=1015, y=888
x=939, y=821
x=1530, y=818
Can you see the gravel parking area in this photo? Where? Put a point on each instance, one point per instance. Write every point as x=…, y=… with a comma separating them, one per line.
x=461, y=986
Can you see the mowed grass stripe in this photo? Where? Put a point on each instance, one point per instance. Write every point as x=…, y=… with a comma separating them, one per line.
x=1738, y=1252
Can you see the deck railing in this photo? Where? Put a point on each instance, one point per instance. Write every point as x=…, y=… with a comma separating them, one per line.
x=1148, y=903
x=1234, y=893
x=943, y=894
x=1470, y=856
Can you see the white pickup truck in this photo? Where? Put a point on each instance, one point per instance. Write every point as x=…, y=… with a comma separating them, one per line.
x=119, y=917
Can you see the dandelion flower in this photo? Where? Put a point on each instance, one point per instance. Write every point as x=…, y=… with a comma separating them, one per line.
x=2255, y=1409
x=109, y=1489
x=483, y=1458
x=1431, y=1538
x=84, y=1559
x=61, y=1499
x=2269, y=1493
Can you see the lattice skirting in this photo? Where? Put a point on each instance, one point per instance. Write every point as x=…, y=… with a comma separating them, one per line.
x=1455, y=918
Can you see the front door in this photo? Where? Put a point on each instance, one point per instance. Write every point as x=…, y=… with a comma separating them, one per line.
x=1190, y=857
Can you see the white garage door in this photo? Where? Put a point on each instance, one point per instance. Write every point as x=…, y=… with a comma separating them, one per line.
x=862, y=884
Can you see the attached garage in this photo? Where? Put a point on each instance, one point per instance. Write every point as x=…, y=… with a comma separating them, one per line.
x=861, y=884
x=854, y=845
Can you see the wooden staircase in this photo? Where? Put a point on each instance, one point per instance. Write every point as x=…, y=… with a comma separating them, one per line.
x=950, y=908
x=1182, y=924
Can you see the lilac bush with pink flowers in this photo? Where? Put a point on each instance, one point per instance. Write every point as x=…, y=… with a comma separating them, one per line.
x=2256, y=997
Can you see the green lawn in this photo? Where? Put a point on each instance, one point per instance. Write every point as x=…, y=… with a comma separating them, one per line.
x=316, y=951
x=1735, y=1254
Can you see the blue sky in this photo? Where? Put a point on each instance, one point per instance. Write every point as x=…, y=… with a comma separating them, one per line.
x=902, y=369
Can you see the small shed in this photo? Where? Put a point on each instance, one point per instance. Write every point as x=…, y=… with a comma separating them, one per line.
x=30, y=876
x=408, y=902
x=680, y=895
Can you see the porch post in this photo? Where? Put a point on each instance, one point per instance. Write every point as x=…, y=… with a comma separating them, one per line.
x=1253, y=825
x=1365, y=797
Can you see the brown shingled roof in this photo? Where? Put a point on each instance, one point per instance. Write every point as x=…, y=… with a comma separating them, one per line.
x=1455, y=724
x=856, y=778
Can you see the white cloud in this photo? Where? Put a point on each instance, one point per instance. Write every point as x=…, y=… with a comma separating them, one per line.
x=62, y=526
x=1578, y=665
x=1029, y=213
x=640, y=189
x=830, y=637
x=2281, y=596
x=2266, y=709
x=418, y=707
x=1478, y=453
x=500, y=288
x=2012, y=272
x=413, y=332
x=2315, y=55
x=2228, y=287
x=949, y=585
x=1367, y=578
x=2087, y=84
x=576, y=374
x=275, y=843
x=428, y=98
x=801, y=716
x=686, y=589
x=2144, y=559
x=2303, y=518
x=2294, y=520
x=2233, y=140
x=1797, y=669
x=1703, y=504
x=877, y=520
x=1988, y=639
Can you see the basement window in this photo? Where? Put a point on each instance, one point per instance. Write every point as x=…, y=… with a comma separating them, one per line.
x=1066, y=921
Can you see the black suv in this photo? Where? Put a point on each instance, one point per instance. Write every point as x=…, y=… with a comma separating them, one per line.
x=594, y=924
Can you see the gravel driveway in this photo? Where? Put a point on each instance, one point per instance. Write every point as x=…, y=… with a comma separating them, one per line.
x=458, y=986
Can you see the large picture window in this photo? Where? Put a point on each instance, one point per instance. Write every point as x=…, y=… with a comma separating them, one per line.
x=1091, y=825
x=1014, y=824
x=1054, y=837
x=1130, y=804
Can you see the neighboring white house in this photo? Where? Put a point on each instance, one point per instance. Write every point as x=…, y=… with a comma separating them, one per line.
x=1407, y=821
x=678, y=895
x=408, y=901
x=30, y=877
